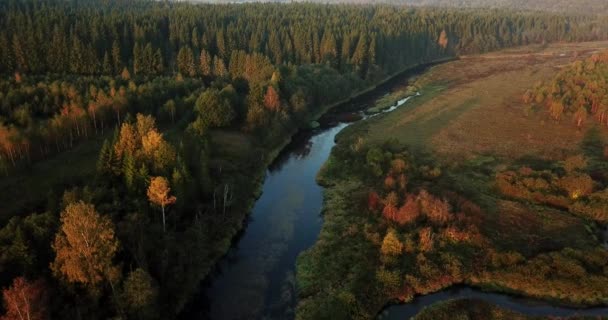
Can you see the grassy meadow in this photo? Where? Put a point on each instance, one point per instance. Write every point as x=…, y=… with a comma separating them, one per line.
x=415, y=202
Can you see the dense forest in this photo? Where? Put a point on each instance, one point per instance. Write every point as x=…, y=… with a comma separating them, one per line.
x=159, y=86
x=137, y=44
x=582, y=6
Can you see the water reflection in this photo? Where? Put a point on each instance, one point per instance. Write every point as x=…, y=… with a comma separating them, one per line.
x=257, y=279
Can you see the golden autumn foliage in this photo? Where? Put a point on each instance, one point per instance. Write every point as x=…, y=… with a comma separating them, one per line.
x=456, y=235
x=392, y=199
x=150, y=143
x=127, y=140
x=436, y=210
x=426, y=239
x=391, y=246
x=158, y=194
x=578, y=91
x=25, y=300
x=85, y=246
x=143, y=141
x=144, y=124
x=576, y=185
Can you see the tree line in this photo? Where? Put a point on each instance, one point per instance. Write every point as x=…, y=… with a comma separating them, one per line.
x=310, y=54
x=151, y=38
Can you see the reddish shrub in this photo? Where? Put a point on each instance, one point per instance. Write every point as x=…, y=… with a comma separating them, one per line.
x=409, y=212
x=373, y=201
x=436, y=210
x=389, y=182
x=390, y=212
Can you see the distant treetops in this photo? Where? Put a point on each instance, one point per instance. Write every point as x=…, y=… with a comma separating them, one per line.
x=149, y=38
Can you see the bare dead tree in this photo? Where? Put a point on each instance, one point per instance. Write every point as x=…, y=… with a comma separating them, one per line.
x=228, y=197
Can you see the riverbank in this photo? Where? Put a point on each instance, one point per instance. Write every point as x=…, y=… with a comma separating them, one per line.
x=465, y=301
x=241, y=215
x=402, y=220
x=275, y=151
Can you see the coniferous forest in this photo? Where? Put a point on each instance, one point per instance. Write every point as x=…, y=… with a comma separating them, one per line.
x=134, y=134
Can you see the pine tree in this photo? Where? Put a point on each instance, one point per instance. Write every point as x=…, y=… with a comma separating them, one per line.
x=158, y=64
x=129, y=172
x=104, y=160
x=219, y=68
x=148, y=60
x=137, y=59
x=185, y=62
x=58, y=53
x=107, y=66
x=116, y=57
x=205, y=63
x=360, y=55
x=329, y=51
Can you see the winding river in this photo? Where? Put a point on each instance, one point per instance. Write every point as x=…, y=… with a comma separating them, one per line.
x=256, y=279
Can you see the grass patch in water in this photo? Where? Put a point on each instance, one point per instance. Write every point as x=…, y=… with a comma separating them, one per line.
x=391, y=99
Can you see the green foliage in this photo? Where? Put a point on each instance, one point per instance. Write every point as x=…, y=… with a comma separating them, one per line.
x=24, y=244
x=140, y=294
x=214, y=108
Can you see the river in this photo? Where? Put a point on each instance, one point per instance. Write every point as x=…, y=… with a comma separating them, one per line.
x=256, y=278
x=527, y=306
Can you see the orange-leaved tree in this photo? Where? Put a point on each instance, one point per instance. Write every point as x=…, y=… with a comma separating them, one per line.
x=443, y=39
x=25, y=300
x=85, y=246
x=158, y=193
x=409, y=212
x=272, y=101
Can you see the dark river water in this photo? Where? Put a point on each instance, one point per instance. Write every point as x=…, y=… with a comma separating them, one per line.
x=522, y=305
x=256, y=279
